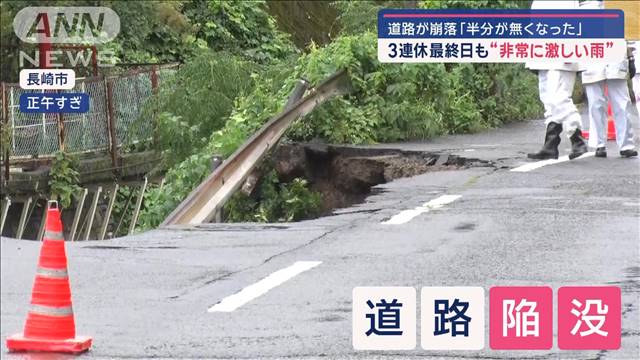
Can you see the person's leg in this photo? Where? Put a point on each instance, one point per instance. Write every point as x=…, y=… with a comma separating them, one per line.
x=635, y=82
x=597, y=103
x=553, y=127
x=592, y=141
x=557, y=99
x=622, y=108
x=566, y=112
x=543, y=93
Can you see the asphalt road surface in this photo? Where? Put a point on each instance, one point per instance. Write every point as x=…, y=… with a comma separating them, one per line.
x=569, y=223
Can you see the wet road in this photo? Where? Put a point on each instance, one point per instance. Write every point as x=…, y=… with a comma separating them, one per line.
x=570, y=223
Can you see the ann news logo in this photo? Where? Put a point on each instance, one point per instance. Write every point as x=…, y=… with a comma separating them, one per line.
x=72, y=24
x=76, y=30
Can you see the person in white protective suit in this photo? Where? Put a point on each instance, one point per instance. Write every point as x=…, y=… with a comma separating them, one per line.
x=608, y=80
x=634, y=63
x=555, y=85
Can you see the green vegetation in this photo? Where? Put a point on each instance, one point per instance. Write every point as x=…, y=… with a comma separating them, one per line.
x=64, y=178
x=243, y=27
x=390, y=101
x=187, y=110
x=275, y=202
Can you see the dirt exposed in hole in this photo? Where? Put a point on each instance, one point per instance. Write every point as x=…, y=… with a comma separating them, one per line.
x=345, y=175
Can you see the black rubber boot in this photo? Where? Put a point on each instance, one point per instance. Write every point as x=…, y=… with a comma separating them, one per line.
x=628, y=153
x=578, y=146
x=601, y=152
x=551, y=141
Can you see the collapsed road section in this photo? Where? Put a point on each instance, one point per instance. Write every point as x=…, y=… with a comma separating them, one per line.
x=345, y=175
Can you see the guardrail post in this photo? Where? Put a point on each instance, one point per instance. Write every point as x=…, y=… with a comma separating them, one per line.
x=92, y=212
x=23, y=217
x=43, y=223
x=76, y=216
x=5, y=209
x=136, y=211
x=107, y=215
x=297, y=93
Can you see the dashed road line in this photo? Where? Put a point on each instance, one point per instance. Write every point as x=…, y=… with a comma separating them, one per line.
x=232, y=302
x=539, y=164
x=406, y=215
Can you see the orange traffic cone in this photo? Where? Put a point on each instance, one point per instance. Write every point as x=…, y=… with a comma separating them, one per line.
x=611, y=127
x=50, y=325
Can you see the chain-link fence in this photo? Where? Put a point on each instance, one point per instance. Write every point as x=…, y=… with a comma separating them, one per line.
x=114, y=106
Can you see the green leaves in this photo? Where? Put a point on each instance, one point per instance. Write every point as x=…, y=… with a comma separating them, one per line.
x=63, y=179
x=195, y=103
x=395, y=102
x=274, y=202
x=241, y=27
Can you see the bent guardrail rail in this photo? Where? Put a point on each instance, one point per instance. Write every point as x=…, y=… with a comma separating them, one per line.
x=203, y=202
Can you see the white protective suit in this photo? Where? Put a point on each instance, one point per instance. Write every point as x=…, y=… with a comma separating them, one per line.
x=556, y=80
x=635, y=82
x=600, y=80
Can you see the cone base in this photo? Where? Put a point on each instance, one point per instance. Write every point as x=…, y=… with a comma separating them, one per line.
x=18, y=342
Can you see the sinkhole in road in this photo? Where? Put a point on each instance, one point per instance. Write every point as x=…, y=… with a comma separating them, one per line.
x=345, y=175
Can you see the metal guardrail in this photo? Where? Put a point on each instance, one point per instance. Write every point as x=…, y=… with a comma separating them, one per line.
x=202, y=203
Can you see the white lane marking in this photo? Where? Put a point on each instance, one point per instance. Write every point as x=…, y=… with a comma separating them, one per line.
x=232, y=302
x=406, y=215
x=484, y=145
x=539, y=164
